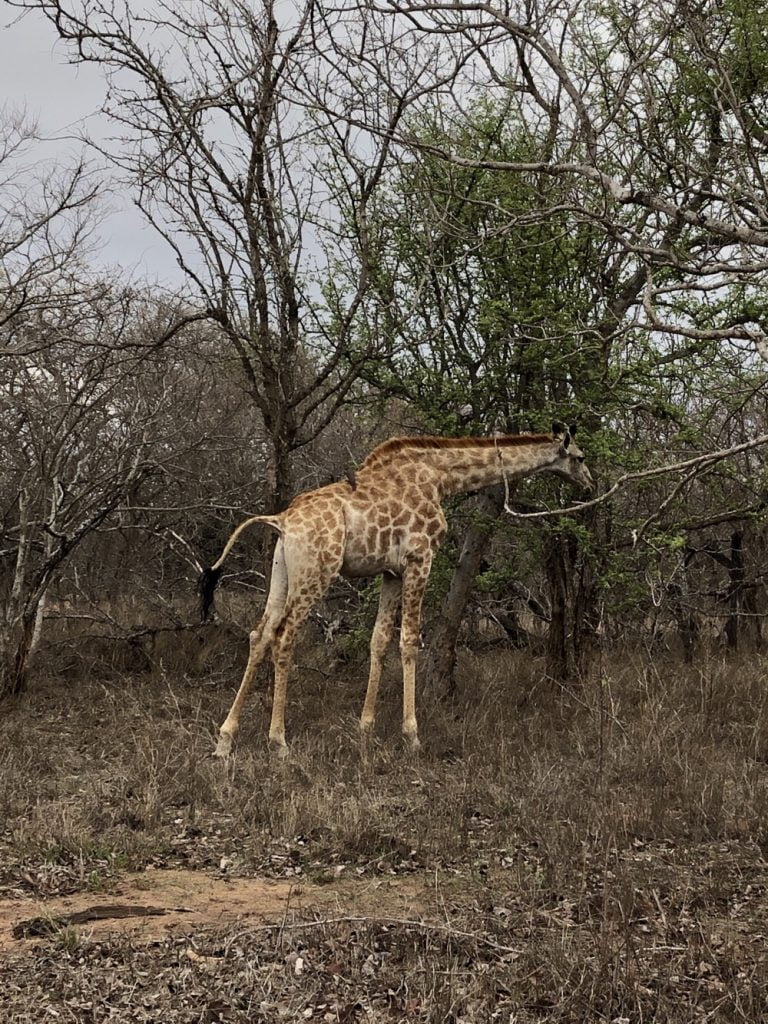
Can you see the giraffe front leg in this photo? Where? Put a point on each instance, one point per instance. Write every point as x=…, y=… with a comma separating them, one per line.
x=414, y=584
x=391, y=589
x=410, y=725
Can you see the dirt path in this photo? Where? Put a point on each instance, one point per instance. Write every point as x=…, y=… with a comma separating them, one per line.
x=191, y=900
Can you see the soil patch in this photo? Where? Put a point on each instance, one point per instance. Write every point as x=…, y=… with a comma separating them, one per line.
x=191, y=900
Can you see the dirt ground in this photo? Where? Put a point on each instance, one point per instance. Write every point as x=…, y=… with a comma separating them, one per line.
x=184, y=902
x=599, y=855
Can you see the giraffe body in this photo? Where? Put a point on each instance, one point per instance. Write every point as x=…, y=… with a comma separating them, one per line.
x=389, y=522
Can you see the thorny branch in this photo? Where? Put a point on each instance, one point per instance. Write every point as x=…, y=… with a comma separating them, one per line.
x=693, y=466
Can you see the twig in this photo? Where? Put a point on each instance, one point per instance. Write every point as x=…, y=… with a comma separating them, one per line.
x=701, y=461
x=192, y=559
x=325, y=922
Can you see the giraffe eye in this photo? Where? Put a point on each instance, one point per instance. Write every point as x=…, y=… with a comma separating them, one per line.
x=580, y=458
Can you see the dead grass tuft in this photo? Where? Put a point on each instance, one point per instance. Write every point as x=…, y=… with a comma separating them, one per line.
x=594, y=853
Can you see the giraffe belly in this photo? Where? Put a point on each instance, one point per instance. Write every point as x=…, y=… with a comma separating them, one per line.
x=357, y=565
x=376, y=538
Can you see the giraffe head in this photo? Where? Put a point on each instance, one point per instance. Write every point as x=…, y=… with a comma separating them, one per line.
x=570, y=462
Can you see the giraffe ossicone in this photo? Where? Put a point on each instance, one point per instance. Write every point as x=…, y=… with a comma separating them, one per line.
x=388, y=521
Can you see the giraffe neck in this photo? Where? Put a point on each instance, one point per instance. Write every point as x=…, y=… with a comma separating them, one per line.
x=470, y=468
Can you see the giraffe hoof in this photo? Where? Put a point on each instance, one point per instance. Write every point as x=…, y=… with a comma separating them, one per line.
x=278, y=748
x=224, y=746
x=413, y=743
x=365, y=739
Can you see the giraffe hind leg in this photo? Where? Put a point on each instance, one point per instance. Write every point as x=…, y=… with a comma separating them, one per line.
x=260, y=640
x=314, y=583
x=391, y=588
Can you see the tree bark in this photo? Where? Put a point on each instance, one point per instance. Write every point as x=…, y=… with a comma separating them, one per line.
x=687, y=622
x=572, y=595
x=15, y=652
x=558, y=563
x=735, y=590
x=277, y=495
x=441, y=656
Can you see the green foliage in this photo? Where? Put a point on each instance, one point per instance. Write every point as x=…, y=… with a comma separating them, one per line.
x=495, y=305
x=355, y=642
x=503, y=304
x=619, y=579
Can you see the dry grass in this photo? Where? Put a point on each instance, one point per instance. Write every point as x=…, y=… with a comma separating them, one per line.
x=594, y=853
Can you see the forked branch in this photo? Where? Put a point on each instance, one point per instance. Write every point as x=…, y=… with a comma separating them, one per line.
x=689, y=466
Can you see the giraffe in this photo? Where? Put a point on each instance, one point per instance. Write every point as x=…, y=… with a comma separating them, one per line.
x=386, y=520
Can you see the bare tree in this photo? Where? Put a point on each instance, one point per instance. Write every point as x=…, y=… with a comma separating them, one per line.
x=47, y=216
x=236, y=126
x=84, y=421
x=655, y=120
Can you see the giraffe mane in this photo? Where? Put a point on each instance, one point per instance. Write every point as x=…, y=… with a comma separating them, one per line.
x=395, y=445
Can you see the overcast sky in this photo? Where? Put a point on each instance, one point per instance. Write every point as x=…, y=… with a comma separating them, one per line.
x=64, y=100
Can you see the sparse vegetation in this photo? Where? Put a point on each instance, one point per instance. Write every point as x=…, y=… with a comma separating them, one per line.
x=581, y=854
x=391, y=219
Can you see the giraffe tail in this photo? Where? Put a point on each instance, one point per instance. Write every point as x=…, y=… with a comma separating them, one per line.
x=206, y=586
x=209, y=577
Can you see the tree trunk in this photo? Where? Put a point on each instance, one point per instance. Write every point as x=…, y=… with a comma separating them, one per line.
x=750, y=605
x=441, y=656
x=558, y=560
x=277, y=495
x=17, y=627
x=735, y=590
x=15, y=652
x=572, y=595
x=687, y=622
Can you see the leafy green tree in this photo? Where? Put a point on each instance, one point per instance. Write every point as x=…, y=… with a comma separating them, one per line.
x=491, y=292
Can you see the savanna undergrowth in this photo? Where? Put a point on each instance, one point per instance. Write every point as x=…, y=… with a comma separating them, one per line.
x=594, y=852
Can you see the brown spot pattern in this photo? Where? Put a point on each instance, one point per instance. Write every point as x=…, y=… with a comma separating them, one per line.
x=396, y=445
x=396, y=502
